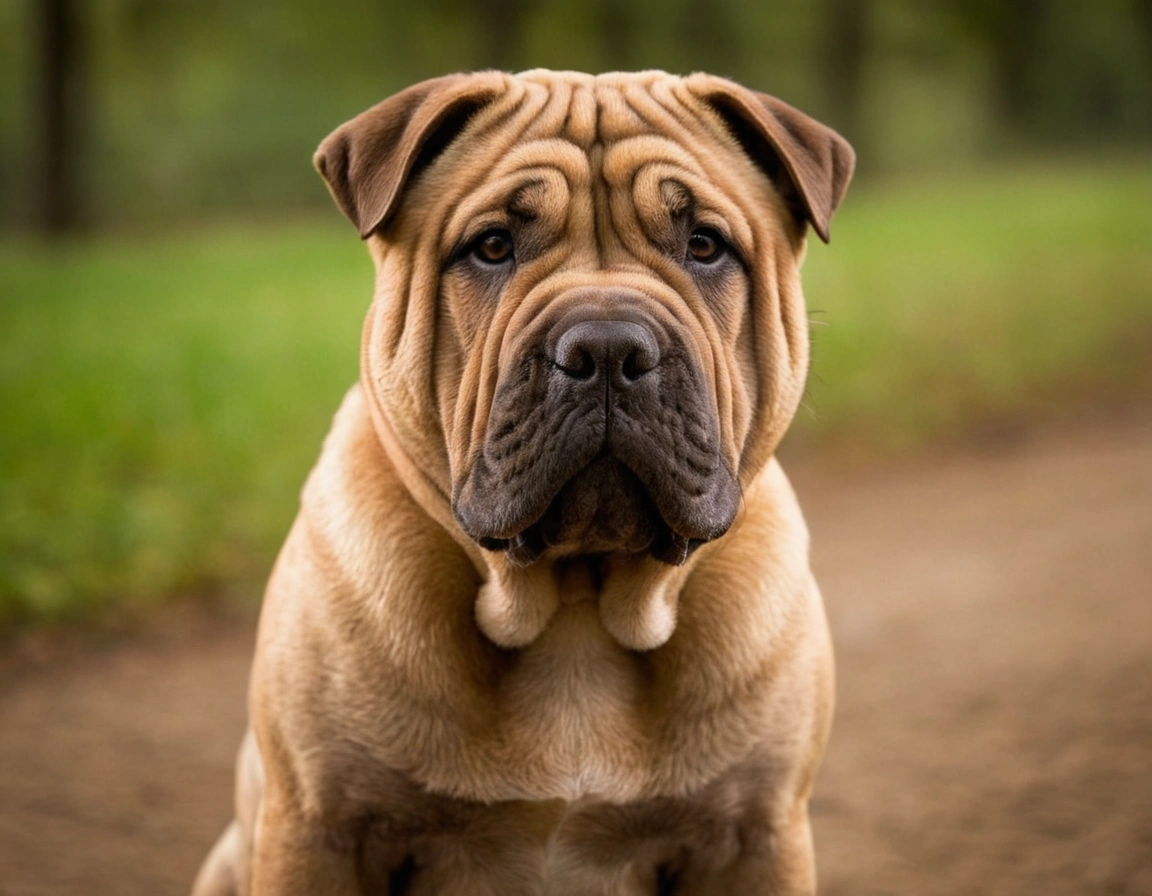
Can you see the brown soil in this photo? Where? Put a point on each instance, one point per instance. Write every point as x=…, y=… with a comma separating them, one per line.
x=992, y=612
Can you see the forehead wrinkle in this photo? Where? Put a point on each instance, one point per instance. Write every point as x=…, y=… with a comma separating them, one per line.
x=669, y=107
x=617, y=118
x=549, y=121
x=688, y=119
x=724, y=160
x=666, y=130
x=494, y=123
x=731, y=183
x=560, y=165
x=496, y=194
x=491, y=133
x=708, y=203
x=692, y=112
x=657, y=117
x=625, y=158
x=553, y=152
x=582, y=121
x=635, y=170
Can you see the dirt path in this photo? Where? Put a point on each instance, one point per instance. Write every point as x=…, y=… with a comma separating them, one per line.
x=993, y=620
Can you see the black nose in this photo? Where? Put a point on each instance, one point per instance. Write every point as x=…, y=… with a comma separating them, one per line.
x=620, y=349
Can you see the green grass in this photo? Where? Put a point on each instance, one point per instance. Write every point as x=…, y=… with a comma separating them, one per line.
x=940, y=306
x=162, y=402
x=162, y=398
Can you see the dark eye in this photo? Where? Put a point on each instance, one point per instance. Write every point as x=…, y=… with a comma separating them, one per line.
x=493, y=246
x=705, y=245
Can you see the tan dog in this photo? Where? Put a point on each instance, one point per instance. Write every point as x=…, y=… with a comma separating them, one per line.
x=545, y=622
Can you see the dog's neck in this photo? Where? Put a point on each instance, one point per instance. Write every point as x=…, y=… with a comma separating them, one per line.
x=637, y=596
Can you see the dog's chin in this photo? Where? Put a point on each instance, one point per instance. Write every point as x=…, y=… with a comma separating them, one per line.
x=603, y=509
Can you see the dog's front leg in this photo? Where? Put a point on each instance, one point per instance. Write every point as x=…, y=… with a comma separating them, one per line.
x=777, y=859
x=773, y=858
x=298, y=855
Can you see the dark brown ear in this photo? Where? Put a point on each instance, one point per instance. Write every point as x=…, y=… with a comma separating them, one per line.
x=367, y=161
x=817, y=162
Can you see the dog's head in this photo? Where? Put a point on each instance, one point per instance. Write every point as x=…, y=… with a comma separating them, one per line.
x=588, y=331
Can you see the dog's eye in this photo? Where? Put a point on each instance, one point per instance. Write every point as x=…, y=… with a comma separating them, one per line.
x=705, y=245
x=493, y=246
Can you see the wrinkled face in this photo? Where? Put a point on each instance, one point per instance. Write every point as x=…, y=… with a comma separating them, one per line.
x=590, y=300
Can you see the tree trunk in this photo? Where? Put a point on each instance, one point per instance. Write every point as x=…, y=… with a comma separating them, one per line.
x=1015, y=38
x=844, y=40
x=60, y=111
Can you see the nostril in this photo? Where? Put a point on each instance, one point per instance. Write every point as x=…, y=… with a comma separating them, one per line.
x=638, y=362
x=577, y=350
x=632, y=368
x=577, y=362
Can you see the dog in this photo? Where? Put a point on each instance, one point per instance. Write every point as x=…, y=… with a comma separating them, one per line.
x=545, y=622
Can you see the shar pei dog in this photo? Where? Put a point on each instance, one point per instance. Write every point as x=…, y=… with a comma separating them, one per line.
x=545, y=623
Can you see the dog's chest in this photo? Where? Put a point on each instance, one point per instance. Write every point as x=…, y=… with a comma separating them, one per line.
x=571, y=777
x=568, y=718
x=573, y=717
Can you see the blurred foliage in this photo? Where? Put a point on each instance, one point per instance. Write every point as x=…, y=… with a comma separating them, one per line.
x=162, y=403
x=194, y=106
x=947, y=308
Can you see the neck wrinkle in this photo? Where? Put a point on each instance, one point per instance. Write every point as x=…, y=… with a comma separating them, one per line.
x=422, y=487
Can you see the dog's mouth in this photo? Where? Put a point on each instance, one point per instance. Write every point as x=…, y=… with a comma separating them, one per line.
x=603, y=509
x=612, y=446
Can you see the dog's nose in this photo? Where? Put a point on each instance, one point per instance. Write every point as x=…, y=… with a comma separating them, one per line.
x=621, y=350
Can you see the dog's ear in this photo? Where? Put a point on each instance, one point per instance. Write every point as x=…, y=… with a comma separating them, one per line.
x=366, y=162
x=811, y=162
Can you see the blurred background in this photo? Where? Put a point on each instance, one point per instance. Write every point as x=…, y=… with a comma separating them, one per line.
x=178, y=290
x=180, y=303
